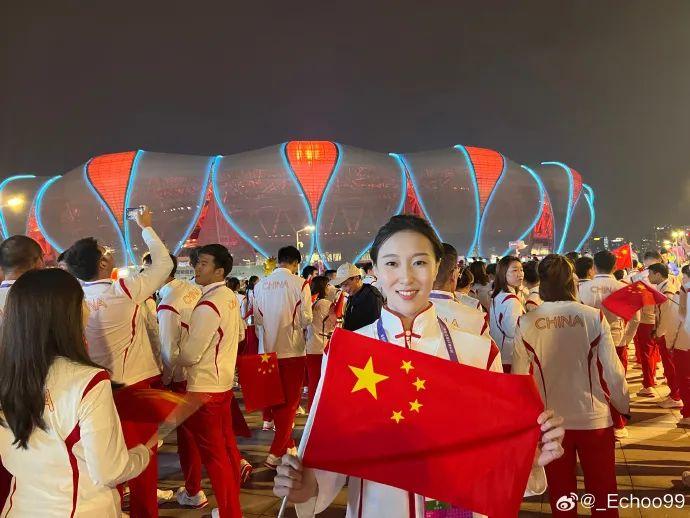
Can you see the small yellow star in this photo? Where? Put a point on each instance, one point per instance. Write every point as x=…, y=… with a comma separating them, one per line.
x=397, y=416
x=265, y=357
x=415, y=406
x=419, y=384
x=367, y=378
x=407, y=366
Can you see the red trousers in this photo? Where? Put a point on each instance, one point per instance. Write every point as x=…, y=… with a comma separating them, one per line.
x=669, y=368
x=143, y=500
x=313, y=374
x=190, y=460
x=507, y=368
x=597, y=454
x=646, y=353
x=292, y=377
x=682, y=362
x=250, y=344
x=618, y=420
x=211, y=430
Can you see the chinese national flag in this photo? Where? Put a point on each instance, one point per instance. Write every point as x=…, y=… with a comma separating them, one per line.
x=454, y=433
x=260, y=380
x=627, y=301
x=623, y=257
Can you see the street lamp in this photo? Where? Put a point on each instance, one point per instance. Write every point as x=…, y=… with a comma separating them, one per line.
x=308, y=228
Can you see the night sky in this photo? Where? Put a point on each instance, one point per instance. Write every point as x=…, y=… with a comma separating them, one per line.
x=601, y=85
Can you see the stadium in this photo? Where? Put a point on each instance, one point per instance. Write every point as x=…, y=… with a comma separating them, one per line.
x=327, y=197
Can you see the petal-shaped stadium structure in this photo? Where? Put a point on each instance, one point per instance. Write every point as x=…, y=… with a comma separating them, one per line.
x=326, y=197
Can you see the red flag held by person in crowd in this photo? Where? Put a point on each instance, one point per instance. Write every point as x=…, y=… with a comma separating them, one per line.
x=627, y=301
x=260, y=380
x=623, y=257
x=378, y=418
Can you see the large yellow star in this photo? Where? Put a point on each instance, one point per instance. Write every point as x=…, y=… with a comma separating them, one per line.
x=407, y=366
x=415, y=406
x=367, y=378
x=265, y=357
x=397, y=416
x=419, y=384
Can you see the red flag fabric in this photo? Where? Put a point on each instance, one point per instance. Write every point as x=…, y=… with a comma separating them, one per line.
x=340, y=305
x=627, y=301
x=260, y=380
x=384, y=415
x=623, y=257
x=147, y=405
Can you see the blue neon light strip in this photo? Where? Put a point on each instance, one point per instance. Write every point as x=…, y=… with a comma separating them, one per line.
x=589, y=197
x=108, y=211
x=305, y=200
x=37, y=212
x=128, y=197
x=540, y=207
x=224, y=212
x=401, y=202
x=479, y=216
x=571, y=188
x=3, y=223
x=200, y=206
x=419, y=197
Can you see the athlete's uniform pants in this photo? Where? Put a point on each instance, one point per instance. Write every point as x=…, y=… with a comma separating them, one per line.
x=597, y=454
x=682, y=363
x=618, y=420
x=647, y=353
x=667, y=358
x=292, y=377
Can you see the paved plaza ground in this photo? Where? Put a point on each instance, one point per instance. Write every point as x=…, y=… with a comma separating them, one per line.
x=649, y=464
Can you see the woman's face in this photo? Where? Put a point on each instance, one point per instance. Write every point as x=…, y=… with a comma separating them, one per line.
x=406, y=268
x=514, y=275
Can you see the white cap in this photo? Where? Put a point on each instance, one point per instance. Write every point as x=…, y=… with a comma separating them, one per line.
x=344, y=272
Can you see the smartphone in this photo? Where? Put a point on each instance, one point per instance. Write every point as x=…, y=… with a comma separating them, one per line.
x=132, y=212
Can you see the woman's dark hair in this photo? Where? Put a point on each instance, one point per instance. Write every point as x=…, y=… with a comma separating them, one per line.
x=221, y=256
x=401, y=223
x=556, y=278
x=252, y=282
x=465, y=279
x=42, y=320
x=500, y=281
x=491, y=269
x=82, y=258
x=478, y=270
x=318, y=286
x=530, y=269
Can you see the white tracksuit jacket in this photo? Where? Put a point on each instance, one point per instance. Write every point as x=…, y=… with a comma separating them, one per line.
x=458, y=315
x=647, y=312
x=178, y=299
x=482, y=292
x=574, y=363
x=382, y=501
x=72, y=467
x=504, y=312
x=669, y=320
x=116, y=332
x=469, y=301
x=209, y=351
x=282, y=307
x=320, y=329
x=595, y=292
x=533, y=300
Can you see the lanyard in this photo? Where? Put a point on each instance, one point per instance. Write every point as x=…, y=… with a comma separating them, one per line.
x=450, y=347
x=440, y=296
x=212, y=290
x=6, y=284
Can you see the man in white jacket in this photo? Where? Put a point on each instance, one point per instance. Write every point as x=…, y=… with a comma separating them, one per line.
x=594, y=292
x=209, y=353
x=117, y=338
x=283, y=310
x=452, y=312
x=666, y=328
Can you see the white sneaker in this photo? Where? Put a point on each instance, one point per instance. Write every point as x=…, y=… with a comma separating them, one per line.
x=620, y=433
x=684, y=422
x=197, y=501
x=647, y=392
x=272, y=461
x=301, y=411
x=268, y=425
x=164, y=495
x=670, y=403
x=292, y=451
x=215, y=513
